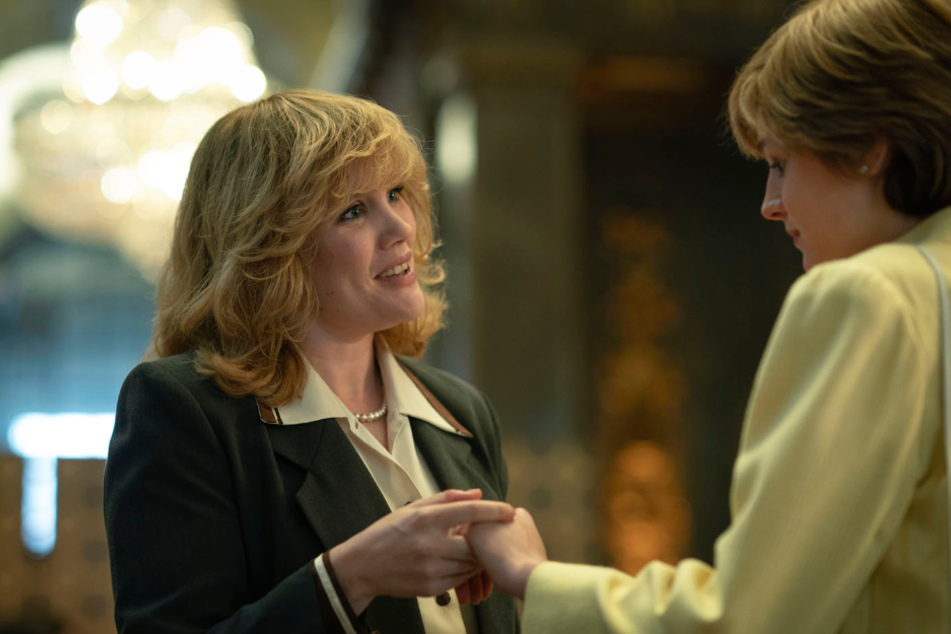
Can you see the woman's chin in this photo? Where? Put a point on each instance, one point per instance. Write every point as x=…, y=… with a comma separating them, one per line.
x=408, y=312
x=809, y=260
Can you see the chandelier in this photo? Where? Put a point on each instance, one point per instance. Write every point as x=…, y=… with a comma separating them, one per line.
x=106, y=160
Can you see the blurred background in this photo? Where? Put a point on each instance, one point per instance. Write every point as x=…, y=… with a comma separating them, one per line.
x=612, y=283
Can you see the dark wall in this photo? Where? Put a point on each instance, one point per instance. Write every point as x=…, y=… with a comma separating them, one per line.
x=668, y=161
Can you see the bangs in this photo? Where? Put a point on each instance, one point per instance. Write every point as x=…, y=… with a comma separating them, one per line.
x=390, y=159
x=393, y=162
x=752, y=116
x=746, y=117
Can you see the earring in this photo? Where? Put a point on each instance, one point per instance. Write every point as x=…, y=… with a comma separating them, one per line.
x=863, y=170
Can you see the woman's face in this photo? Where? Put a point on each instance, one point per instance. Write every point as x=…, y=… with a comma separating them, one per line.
x=828, y=214
x=364, y=272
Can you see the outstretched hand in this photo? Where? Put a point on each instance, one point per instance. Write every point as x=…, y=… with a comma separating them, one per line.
x=413, y=551
x=509, y=551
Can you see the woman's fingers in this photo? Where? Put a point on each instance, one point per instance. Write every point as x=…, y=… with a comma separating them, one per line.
x=487, y=585
x=452, y=514
x=449, y=495
x=452, y=579
x=460, y=508
x=462, y=592
x=475, y=589
x=453, y=549
x=458, y=580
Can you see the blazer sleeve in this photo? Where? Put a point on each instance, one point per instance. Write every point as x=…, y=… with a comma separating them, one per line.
x=834, y=441
x=175, y=540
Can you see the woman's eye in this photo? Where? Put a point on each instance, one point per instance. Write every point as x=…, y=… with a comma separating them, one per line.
x=352, y=214
x=395, y=194
x=776, y=165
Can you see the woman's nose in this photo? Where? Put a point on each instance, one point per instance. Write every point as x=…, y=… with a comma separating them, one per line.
x=772, y=207
x=397, y=227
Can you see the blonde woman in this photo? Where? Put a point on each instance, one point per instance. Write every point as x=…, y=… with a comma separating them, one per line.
x=839, y=500
x=283, y=464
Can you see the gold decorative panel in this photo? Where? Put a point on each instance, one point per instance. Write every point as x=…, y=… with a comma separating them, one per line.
x=639, y=392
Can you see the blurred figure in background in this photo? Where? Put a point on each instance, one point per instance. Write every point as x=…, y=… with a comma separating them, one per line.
x=839, y=500
x=279, y=467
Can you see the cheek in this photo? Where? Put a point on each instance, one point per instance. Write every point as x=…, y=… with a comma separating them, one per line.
x=773, y=186
x=322, y=281
x=410, y=219
x=793, y=196
x=335, y=268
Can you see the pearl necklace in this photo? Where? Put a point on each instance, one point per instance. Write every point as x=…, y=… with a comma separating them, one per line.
x=365, y=418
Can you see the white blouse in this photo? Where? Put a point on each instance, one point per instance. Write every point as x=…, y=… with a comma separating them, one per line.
x=401, y=474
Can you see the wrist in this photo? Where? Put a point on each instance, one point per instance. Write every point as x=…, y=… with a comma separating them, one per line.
x=521, y=577
x=348, y=570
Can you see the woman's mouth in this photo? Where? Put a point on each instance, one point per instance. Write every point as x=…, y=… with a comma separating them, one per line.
x=398, y=270
x=795, y=237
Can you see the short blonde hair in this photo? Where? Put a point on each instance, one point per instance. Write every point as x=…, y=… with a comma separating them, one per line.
x=237, y=289
x=841, y=75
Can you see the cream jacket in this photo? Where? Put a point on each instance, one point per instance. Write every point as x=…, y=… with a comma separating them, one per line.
x=839, y=500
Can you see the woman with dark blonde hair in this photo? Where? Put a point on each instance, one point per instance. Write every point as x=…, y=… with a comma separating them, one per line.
x=839, y=500
x=282, y=464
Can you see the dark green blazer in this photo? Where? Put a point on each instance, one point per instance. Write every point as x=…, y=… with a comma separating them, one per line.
x=214, y=517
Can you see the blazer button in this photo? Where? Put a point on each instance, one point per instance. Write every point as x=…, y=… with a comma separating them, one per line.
x=444, y=599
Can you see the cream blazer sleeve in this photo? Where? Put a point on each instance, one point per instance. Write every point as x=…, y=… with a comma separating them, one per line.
x=834, y=441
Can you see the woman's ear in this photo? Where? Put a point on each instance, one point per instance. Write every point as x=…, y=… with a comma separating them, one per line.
x=875, y=161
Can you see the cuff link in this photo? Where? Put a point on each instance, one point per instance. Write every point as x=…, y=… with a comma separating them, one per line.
x=444, y=599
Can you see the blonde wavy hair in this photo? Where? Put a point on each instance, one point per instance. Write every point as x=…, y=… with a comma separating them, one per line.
x=237, y=288
x=842, y=75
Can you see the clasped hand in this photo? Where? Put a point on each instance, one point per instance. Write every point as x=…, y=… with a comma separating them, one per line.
x=419, y=550
x=509, y=551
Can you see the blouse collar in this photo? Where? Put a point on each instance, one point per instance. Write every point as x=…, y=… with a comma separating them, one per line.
x=403, y=396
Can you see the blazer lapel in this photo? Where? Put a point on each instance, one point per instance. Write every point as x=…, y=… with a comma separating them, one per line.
x=338, y=496
x=449, y=457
